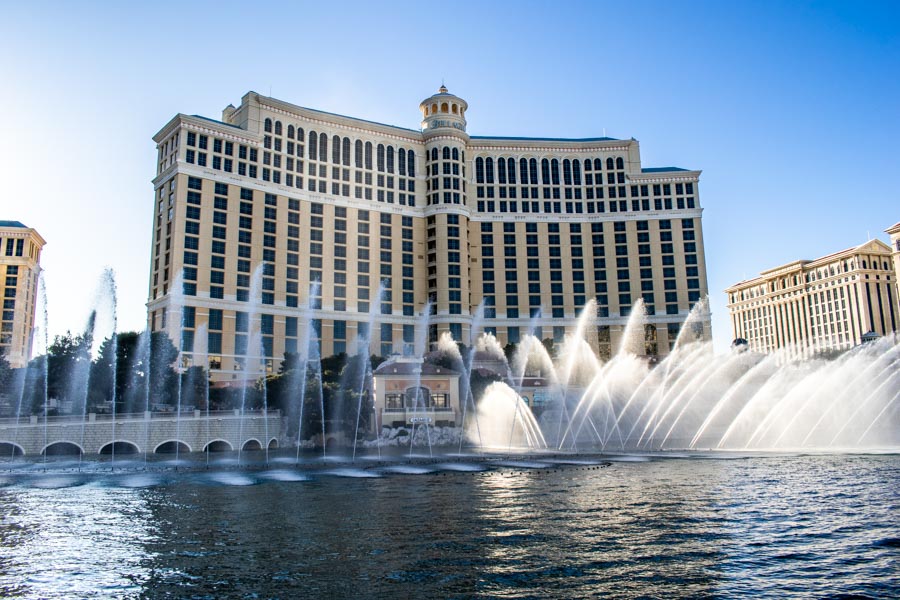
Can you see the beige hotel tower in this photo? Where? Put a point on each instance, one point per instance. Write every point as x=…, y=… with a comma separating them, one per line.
x=280, y=217
x=20, y=258
x=829, y=304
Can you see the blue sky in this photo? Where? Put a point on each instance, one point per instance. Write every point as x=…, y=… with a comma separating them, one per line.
x=791, y=110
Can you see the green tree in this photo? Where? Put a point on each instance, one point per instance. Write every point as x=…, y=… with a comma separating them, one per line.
x=100, y=383
x=163, y=376
x=550, y=346
x=194, y=382
x=68, y=369
x=509, y=351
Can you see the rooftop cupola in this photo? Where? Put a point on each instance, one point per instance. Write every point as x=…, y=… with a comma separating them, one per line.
x=443, y=111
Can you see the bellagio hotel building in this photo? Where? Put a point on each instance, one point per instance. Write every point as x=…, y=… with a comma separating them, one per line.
x=279, y=217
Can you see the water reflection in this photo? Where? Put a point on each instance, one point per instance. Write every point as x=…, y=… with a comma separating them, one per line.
x=63, y=543
x=772, y=525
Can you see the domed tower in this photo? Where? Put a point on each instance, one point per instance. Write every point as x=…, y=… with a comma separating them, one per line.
x=443, y=111
x=447, y=214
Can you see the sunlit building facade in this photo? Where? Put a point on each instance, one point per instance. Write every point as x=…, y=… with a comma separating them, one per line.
x=894, y=232
x=283, y=218
x=823, y=305
x=20, y=267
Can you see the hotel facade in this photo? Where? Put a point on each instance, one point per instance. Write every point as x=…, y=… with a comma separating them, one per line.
x=279, y=218
x=20, y=267
x=827, y=304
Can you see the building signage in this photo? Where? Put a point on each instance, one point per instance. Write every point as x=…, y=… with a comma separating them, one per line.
x=440, y=123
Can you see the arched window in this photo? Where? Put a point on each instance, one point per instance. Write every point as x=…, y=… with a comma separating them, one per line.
x=300, y=137
x=411, y=164
x=567, y=172
x=434, y=154
x=434, y=108
x=610, y=165
x=345, y=152
x=390, y=159
x=277, y=127
x=290, y=131
x=532, y=166
x=554, y=168
x=479, y=170
x=358, y=151
x=455, y=154
x=501, y=171
x=620, y=164
x=369, y=155
x=336, y=150
x=455, y=109
x=444, y=107
x=323, y=147
x=523, y=170
x=489, y=170
x=380, y=155
x=587, y=165
x=545, y=171
x=576, y=172
x=267, y=125
x=313, y=145
x=598, y=164
x=511, y=170
x=446, y=153
x=401, y=161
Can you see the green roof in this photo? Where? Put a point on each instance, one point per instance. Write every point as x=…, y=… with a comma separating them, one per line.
x=661, y=169
x=542, y=139
x=13, y=224
x=215, y=121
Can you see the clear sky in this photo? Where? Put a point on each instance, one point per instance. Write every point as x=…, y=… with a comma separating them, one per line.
x=791, y=110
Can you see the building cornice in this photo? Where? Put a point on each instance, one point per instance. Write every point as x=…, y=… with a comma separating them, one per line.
x=588, y=217
x=206, y=126
x=342, y=122
x=24, y=233
x=549, y=145
x=665, y=176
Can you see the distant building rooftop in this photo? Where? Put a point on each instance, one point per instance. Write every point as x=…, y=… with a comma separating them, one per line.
x=404, y=367
x=215, y=121
x=13, y=224
x=542, y=139
x=661, y=169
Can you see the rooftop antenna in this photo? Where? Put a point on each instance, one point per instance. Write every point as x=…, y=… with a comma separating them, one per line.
x=604, y=132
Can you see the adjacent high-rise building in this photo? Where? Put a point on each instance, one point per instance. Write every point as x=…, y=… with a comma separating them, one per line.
x=894, y=232
x=279, y=216
x=828, y=304
x=20, y=267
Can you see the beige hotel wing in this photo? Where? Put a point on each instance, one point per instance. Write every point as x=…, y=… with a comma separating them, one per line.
x=812, y=306
x=283, y=223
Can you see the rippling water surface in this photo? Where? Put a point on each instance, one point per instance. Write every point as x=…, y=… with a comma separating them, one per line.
x=720, y=526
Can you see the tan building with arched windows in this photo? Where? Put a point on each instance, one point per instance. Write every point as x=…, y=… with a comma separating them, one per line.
x=20, y=267
x=279, y=216
x=816, y=306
